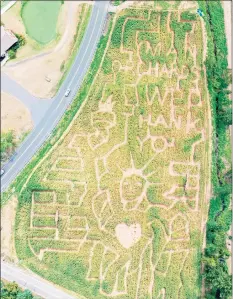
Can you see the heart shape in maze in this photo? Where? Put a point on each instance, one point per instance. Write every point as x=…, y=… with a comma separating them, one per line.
x=128, y=235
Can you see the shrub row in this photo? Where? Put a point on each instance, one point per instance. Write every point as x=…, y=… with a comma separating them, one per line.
x=217, y=278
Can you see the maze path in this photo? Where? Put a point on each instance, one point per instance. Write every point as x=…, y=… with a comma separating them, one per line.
x=133, y=157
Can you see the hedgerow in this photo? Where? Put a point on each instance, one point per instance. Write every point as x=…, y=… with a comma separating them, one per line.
x=217, y=278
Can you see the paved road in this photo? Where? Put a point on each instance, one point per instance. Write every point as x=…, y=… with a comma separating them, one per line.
x=34, y=283
x=60, y=103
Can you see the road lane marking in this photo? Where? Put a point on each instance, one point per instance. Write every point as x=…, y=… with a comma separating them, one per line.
x=27, y=147
x=61, y=101
x=86, y=49
x=60, y=91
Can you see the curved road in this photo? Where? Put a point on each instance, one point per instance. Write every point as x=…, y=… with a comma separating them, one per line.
x=60, y=103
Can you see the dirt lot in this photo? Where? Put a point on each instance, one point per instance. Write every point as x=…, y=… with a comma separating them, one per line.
x=48, y=65
x=14, y=115
x=7, y=229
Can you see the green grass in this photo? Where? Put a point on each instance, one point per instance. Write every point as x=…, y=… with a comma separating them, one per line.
x=40, y=20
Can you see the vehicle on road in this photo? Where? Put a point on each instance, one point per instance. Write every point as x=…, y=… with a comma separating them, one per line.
x=2, y=171
x=67, y=92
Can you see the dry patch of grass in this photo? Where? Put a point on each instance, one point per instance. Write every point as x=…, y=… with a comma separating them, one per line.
x=14, y=115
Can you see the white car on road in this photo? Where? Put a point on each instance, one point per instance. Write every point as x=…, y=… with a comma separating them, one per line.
x=67, y=92
x=2, y=171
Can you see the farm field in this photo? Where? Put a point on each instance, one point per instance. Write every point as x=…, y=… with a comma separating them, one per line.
x=117, y=208
x=40, y=19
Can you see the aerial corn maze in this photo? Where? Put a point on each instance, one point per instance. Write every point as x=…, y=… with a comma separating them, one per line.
x=117, y=207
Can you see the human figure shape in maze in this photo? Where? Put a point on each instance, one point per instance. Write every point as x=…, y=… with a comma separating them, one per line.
x=111, y=208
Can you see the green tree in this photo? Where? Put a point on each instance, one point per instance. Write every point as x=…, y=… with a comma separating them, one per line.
x=24, y=295
x=10, y=290
x=225, y=117
x=8, y=144
x=224, y=189
x=21, y=42
x=11, y=54
x=219, y=282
